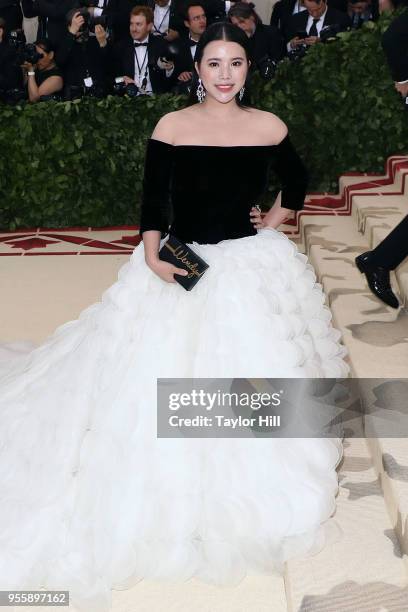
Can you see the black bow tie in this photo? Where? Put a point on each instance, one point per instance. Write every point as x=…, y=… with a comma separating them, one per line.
x=193, y=43
x=137, y=44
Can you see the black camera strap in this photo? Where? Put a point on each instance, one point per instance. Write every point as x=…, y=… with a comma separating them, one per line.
x=158, y=29
x=140, y=68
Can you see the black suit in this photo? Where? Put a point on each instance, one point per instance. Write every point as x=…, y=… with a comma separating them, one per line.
x=184, y=60
x=52, y=21
x=282, y=12
x=298, y=22
x=123, y=61
x=10, y=11
x=395, y=45
x=76, y=58
x=266, y=42
x=11, y=76
x=394, y=248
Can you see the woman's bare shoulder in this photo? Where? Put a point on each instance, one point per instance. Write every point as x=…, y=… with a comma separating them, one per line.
x=272, y=128
x=170, y=125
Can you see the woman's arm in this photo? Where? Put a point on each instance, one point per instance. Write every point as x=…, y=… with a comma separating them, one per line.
x=48, y=87
x=291, y=173
x=155, y=214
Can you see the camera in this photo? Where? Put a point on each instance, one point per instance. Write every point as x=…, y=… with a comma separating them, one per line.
x=26, y=53
x=296, y=54
x=121, y=89
x=101, y=20
x=267, y=67
x=171, y=53
x=16, y=39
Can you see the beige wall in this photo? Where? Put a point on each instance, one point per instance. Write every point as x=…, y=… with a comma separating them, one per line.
x=264, y=9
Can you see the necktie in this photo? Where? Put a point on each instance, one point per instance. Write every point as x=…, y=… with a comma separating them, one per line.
x=193, y=43
x=313, y=29
x=140, y=44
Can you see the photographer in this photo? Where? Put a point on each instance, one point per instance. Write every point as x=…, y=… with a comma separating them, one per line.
x=83, y=56
x=11, y=77
x=304, y=28
x=395, y=45
x=195, y=21
x=359, y=12
x=51, y=16
x=10, y=11
x=43, y=77
x=140, y=60
x=266, y=43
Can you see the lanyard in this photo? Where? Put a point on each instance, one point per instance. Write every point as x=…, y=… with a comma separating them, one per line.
x=140, y=69
x=158, y=29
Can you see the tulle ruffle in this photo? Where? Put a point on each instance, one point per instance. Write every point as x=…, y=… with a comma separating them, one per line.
x=92, y=500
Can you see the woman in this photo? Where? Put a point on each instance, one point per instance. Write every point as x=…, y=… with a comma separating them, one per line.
x=44, y=78
x=92, y=498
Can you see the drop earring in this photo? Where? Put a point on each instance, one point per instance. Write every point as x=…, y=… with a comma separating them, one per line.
x=200, y=92
x=241, y=93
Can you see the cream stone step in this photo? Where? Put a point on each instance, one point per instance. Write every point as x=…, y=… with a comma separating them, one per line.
x=363, y=570
x=383, y=209
x=373, y=333
x=253, y=594
x=390, y=457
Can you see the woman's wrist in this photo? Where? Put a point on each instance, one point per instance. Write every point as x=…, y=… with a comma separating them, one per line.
x=152, y=258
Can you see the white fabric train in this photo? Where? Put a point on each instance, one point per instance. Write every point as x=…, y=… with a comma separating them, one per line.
x=92, y=500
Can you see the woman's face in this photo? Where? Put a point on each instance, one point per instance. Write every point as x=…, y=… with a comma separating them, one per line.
x=247, y=25
x=46, y=59
x=223, y=69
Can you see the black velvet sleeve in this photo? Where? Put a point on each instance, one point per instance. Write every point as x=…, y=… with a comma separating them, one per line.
x=156, y=207
x=292, y=175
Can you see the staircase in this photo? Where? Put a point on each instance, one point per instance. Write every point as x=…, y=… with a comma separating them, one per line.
x=366, y=570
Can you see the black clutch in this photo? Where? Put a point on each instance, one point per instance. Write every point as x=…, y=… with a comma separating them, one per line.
x=180, y=255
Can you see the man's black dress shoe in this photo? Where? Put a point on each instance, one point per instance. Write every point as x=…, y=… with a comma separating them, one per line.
x=378, y=280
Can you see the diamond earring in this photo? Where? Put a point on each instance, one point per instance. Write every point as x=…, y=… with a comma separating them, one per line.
x=241, y=93
x=200, y=92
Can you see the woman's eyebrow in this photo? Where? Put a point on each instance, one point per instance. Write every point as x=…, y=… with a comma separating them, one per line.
x=219, y=59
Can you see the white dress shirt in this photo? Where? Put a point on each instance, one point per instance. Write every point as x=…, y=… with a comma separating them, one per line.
x=161, y=18
x=319, y=24
x=143, y=58
x=193, y=47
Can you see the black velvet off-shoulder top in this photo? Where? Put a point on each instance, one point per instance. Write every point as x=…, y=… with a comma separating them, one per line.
x=204, y=193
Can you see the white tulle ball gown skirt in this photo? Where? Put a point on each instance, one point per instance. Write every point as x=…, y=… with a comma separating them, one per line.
x=92, y=500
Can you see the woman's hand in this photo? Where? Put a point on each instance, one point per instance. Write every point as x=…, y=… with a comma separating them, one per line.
x=256, y=217
x=273, y=218
x=27, y=66
x=165, y=270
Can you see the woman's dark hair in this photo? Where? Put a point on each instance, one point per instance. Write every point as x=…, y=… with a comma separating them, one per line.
x=243, y=10
x=45, y=44
x=221, y=30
